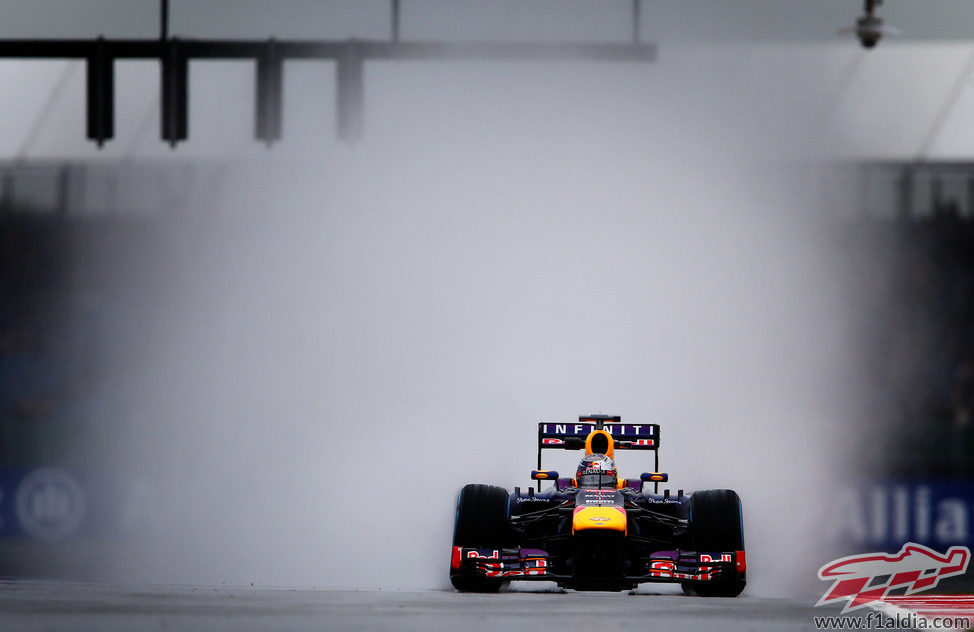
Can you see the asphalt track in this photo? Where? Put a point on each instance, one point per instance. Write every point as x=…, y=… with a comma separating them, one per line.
x=77, y=607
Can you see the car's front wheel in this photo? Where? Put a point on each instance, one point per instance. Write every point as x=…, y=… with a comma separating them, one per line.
x=482, y=521
x=716, y=525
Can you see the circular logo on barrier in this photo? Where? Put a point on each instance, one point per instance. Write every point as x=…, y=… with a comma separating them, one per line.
x=50, y=504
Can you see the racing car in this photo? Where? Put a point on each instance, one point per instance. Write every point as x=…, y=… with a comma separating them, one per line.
x=597, y=531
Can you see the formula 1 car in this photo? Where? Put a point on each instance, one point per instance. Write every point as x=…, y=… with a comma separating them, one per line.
x=596, y=531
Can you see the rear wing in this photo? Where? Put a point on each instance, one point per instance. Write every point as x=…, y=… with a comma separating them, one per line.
x=562, y=436
x=553, y=435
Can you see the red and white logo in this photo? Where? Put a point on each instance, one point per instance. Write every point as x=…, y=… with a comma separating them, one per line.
x=869, y=578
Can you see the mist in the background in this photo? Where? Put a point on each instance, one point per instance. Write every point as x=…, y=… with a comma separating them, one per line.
x=312, y=368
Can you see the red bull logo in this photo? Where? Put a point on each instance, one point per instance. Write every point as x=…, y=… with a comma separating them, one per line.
x=862, y=580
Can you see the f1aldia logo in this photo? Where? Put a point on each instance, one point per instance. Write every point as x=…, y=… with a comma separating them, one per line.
x=868, y=578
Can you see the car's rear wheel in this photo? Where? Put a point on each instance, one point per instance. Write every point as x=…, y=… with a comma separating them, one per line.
x=482, y=521
x=716, y=525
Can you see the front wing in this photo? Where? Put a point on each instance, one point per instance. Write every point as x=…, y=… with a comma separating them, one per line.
x=661, y=566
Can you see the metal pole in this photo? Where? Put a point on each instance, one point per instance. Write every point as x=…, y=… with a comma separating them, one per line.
x=636, y=15
x=270, y=78
x=351, y=95
x=395, y=21
x=175, y=93
x=164, y=20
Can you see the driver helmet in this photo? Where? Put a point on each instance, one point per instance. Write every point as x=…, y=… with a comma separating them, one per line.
x=596, y=470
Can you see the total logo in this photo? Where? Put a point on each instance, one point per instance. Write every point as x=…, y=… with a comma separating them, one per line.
x=599, y=518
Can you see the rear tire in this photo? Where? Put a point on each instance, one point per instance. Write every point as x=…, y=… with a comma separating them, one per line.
x=483, y=521
x=716, y=525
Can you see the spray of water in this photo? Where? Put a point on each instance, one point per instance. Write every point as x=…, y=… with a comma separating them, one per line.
x=317, y=364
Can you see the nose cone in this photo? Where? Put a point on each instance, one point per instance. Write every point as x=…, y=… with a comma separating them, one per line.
x=599, y=518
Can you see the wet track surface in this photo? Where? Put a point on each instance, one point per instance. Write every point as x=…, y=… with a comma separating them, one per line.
x=56, y=606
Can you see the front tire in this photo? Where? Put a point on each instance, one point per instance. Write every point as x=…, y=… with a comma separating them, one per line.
x=482, y=521
x=716, y=525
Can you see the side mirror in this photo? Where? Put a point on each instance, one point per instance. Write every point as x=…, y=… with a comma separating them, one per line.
x=544, y=475
x=654, y=477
